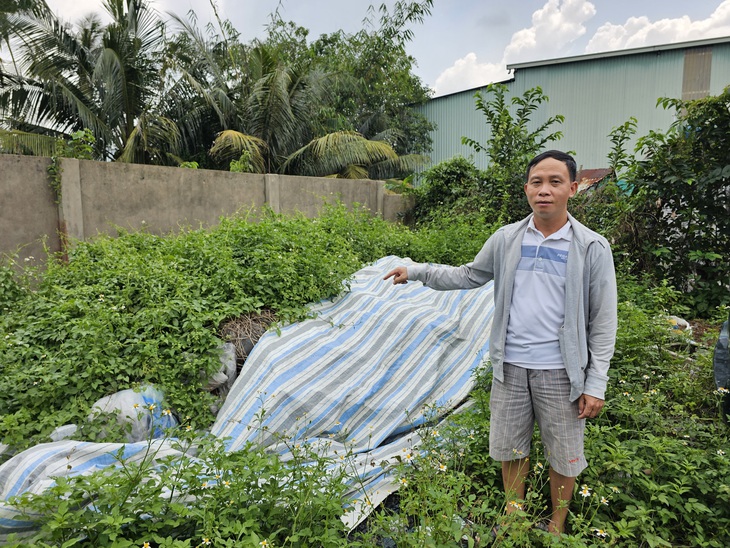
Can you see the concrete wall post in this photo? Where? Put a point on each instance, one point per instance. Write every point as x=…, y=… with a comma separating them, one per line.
x=273, y=189
x=70, y=207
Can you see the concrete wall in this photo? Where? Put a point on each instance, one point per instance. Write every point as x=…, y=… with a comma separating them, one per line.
x=28, y=212
x=99, y=197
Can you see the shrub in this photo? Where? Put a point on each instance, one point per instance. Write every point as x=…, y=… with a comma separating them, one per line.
x=683, y=199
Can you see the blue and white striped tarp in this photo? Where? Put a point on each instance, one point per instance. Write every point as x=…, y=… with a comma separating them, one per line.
x=357, y=380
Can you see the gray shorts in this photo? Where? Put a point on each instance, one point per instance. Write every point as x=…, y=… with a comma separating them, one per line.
x=542, y=395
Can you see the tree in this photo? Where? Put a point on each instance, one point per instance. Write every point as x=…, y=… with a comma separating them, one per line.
x=510, y=146
x=270, y=101
x=683, y=199
x=257, y=102
x=208, y=97
x=377, y=91
x=105, y=78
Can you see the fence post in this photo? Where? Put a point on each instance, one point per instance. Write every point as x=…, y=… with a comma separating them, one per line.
x=70, y=207
x=271, y=191
x=380, y=198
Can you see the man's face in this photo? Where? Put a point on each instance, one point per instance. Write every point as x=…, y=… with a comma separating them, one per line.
x=548, y=188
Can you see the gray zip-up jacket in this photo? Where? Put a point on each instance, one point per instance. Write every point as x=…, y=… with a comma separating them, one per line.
x=588, y=334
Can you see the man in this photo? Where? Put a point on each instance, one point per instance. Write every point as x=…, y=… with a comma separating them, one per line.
x=553, y=331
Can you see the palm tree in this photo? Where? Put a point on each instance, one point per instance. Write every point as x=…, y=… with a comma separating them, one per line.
x=105, y=78
x=269, y=106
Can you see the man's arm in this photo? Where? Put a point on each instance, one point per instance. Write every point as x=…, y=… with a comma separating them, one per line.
x=443, y=277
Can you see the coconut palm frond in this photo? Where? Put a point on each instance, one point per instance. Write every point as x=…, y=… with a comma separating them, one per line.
x=353, y=172
x=397, y=167
x=230, y=145
x=154, y=139
x=20, y=142
x=334, y=152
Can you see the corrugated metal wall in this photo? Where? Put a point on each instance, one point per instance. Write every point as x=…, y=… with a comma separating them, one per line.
x=595, y=95
x=720, y=78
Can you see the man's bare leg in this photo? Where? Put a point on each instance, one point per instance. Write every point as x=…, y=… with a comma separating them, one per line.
x=561, y=493
x=514, y=473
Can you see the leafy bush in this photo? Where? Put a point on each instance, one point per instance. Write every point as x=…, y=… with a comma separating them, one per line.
x=80, y=146
x=10, y=290
x=684, y=198
x=455, y=184
x=512, y=143
x=245, y=497
x=658, y=456
x=142, y=308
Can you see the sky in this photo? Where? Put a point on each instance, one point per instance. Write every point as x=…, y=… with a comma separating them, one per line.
x=465, y=44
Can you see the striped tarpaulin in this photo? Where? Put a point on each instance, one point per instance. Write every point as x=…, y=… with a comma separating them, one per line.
x=356, y=380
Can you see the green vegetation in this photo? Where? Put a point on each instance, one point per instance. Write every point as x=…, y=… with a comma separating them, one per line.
x=511, y=145
x=142, y=308
x=80, y=146
x=169, y=93
x=658, y=456
x=123, y=311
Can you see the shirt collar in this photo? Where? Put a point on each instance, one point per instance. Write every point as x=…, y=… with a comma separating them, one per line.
x=565, y=232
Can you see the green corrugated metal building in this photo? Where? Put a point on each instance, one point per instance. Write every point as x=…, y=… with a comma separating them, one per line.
x=595, y=93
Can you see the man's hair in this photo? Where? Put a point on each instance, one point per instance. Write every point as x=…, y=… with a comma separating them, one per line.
x=567, y=159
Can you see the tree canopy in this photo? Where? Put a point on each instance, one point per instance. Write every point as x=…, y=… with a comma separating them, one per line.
x=159, y=93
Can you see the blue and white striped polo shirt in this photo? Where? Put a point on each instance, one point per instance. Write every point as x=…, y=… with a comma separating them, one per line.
x=537, y=310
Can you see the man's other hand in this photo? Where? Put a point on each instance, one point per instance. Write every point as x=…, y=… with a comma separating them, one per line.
x=589, y=407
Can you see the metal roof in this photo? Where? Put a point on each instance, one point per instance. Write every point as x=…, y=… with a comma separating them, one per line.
x=588, y=178
x=621, y=53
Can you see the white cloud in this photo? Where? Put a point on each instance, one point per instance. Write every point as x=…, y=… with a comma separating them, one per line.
x=641, y=31
x=557, y=23
x=467, y=73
